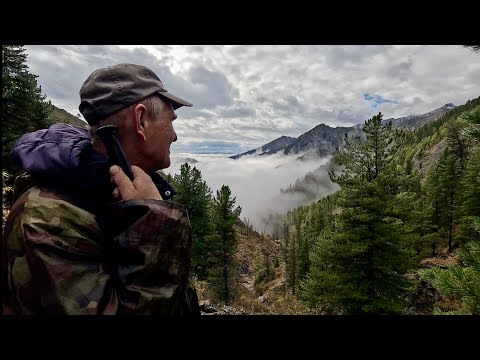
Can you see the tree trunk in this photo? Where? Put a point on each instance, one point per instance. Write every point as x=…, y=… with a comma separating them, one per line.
x=225, y=272
x=450, y=225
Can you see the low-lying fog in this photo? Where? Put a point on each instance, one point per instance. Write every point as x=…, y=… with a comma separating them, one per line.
x=262, y=185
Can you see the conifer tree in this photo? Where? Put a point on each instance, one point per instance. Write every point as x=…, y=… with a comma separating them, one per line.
x=462, y=281
x=24, y=107
x=258, y=265
x=267, y=266
x=447, y=192
x=291, y=264
x=222, y=276
x=303, y=257
x=470, y=186
x=194, y=193
x=276, y=262
x=358, y=266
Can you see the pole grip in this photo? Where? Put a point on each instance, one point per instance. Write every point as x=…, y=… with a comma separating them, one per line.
x=109, y=135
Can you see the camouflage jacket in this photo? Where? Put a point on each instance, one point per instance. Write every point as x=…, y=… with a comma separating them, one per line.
x=69, y=248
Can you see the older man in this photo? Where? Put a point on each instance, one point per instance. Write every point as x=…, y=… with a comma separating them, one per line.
x=82, y=237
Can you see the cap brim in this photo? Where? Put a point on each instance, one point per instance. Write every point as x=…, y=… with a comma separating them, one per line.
x=176, y=101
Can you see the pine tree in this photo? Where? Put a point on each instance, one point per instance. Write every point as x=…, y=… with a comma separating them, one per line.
x=472, y=118
x=460, y=281
x=458, y=144
x=435, y=200
x=447, y=191
x=222, y=276
x=194, y=193
x=366, y=159
x=258, y=266
x=470, y=185
x=276, y=262
x=358, y=266
x=317, y=218
x=267, y=266
x=443, y=184
x=24, y=107
x=303, y=257
x=291, y=264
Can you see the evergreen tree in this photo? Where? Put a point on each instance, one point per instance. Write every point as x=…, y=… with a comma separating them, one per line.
x=317, y=218
x=258, y=264
x=447, y=192
x=458, y=145
x=443, y=184
x=359, y=266
x=276, y=262
x=303, y=257
x=194, y=193
x=267, y=266
x=24, y=107
x=460, y=281
x=366, y=159
x=470, y=185
x=291, y=264
x=434, y=205
x=472, y=118
x=262, y=266
x=222, y=276
x=471, y=181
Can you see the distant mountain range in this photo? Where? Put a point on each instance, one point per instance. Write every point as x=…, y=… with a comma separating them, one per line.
x=322, y=140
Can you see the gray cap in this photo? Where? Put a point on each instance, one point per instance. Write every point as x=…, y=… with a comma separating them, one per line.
x=108, y=90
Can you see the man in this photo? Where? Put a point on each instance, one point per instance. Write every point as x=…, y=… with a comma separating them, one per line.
x=81, y=237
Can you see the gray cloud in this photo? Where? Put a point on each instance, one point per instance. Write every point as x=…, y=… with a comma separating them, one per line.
x=238, y=110
x=214, y=87
x=253, y=94
x=401, y=71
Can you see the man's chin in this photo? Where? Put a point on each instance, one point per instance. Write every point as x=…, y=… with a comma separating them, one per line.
x=166, y=164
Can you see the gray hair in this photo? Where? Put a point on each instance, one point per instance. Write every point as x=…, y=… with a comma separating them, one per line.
x=154, y=104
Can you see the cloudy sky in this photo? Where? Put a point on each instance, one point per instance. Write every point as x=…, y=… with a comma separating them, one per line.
x=246, y=96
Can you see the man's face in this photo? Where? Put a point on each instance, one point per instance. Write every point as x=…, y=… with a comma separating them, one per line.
x=159, y=138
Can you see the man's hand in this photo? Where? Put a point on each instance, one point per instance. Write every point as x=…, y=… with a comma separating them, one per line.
x=142, y=186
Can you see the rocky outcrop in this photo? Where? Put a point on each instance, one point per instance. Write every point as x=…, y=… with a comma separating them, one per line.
x=206, y=308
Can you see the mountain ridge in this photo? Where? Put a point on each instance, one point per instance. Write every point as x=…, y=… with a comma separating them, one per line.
x=271, y=148
x=59, y=115
x=324, y=139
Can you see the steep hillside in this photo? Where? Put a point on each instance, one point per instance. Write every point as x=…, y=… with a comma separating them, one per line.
x=264, y=297
x=62, y=116
x=429, y=141
x=249, y=242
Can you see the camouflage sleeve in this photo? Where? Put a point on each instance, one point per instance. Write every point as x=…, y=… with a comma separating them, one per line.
x=59, y=261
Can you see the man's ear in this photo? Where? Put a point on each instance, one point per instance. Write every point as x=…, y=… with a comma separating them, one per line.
x=140, y=114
